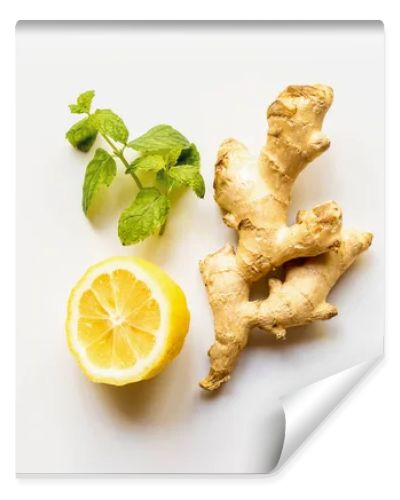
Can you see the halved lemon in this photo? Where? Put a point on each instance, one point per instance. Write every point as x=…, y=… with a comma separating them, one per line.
x=127, y=319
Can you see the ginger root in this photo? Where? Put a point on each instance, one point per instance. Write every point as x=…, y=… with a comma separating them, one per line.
x=254, y=196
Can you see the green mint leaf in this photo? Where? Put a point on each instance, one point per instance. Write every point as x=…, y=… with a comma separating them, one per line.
x=188, y=175
x=165, y=181
x=152, y=163
x=82, y=135
x=159, y=138
x=110, y=124
x=100, y=171
x=171, y=156
x=83, y=103
x=144, y=217
x=189, y=156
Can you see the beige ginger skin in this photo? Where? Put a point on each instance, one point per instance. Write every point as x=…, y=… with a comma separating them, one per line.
x=254, y=195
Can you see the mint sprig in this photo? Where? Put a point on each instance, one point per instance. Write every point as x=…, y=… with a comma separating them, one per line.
x=172, y=161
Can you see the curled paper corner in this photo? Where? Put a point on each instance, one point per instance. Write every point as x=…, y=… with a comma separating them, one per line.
x=305, y=409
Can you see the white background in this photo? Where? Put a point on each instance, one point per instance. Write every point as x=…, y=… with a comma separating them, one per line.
x=210, y=81
x=356, y=452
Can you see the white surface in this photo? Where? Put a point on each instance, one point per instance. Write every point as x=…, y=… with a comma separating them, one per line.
x=66, y=424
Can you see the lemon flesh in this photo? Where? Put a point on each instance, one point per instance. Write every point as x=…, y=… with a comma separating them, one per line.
x=126, y=320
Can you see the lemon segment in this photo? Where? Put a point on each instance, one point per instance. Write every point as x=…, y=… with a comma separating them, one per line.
x=126, y=320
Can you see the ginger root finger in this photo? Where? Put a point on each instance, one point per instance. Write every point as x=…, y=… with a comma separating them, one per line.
x=227, y=292
x=255, y=194
x=299, y=300
x=315, y=232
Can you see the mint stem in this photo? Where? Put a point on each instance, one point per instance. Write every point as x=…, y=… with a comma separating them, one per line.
x=162, y=229
x=119, y=153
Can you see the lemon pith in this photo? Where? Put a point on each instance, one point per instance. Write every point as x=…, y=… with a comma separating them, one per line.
x=126, y=320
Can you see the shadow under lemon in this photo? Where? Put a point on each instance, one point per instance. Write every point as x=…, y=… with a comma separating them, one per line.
x=159, y=400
